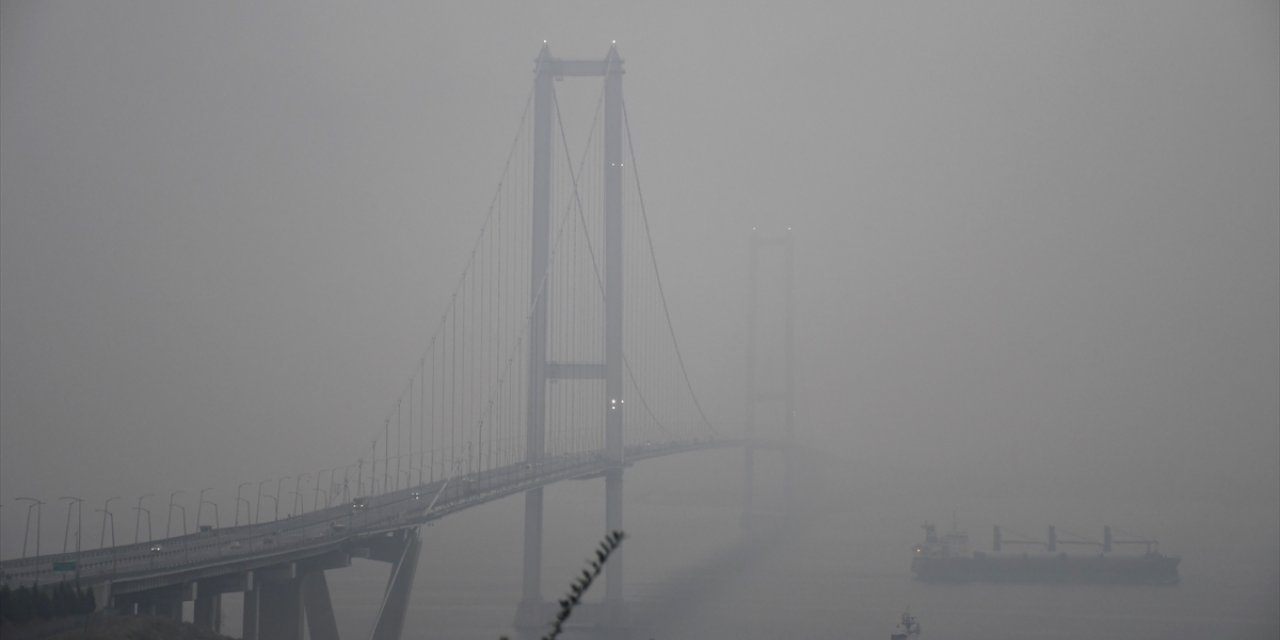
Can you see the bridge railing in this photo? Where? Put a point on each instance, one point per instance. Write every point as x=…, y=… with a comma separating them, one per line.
x=389, y=511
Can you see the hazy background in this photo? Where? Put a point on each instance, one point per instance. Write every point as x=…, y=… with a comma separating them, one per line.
x=1038, y=244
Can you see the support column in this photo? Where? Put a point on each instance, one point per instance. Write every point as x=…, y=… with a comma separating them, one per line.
x=102, y=597
x=321, y=624
x=759, y=508
x=532, y=610
x=749, y=450
x=613, y=522
x=280, y=610
x=167, y=603
x=532, y=586
x=249, y=627
x=535, y=421
x=395, y=602
x=789, y=356
x=208, y=611
x=614, y=445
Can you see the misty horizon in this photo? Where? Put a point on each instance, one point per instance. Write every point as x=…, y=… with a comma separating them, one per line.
x=1037, y=251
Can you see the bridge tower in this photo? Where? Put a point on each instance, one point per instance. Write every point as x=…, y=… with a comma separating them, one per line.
x=532, y=614
x=776, y=397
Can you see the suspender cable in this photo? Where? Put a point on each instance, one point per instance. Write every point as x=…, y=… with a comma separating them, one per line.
x=657, y=276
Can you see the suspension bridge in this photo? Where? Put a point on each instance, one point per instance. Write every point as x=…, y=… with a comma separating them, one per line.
x=542, y=368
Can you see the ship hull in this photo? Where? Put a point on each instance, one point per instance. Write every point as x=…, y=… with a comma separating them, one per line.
x=1152, y=569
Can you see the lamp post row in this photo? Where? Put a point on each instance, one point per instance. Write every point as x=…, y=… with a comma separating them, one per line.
x=252, y=511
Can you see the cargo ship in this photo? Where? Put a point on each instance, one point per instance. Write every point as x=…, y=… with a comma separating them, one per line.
x=946, y=558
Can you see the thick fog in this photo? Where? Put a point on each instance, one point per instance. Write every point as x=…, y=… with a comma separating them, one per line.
x=1037, y=272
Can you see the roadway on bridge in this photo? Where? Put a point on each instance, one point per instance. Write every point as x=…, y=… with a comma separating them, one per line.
x=174, y=559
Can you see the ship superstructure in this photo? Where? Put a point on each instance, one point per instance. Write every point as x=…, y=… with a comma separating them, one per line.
x=908, y=628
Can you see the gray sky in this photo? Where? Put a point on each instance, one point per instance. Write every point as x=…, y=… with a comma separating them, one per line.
x=1037, y=240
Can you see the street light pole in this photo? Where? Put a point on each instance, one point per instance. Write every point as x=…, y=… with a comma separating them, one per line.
x=67, y=528
x=137, y=519
x=137, y=530
x=279, y=481
x=186, y=543
x=257, y=518
x=247, y=513
x=275, y=502
x=297, y=488
x=168, y=518
x=200, y=509
x=399, y=433
x=106, y=513
x=315, y=500
x=34, y=503
x=79, y=529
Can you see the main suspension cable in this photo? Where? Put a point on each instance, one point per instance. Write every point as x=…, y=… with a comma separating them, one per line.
x=644, y=215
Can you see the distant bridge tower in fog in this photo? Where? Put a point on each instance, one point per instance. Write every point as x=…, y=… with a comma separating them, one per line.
x=770, y=399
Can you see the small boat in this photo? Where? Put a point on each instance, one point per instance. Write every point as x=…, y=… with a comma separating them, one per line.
x=908, y=628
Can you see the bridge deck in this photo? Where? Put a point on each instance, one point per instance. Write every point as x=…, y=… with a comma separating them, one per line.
x=180, y=559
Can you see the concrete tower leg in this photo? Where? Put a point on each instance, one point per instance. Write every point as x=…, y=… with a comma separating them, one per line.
x=789, y=358
x=613, y=522
x=613, y=265
x=533, y=615
x=167, y=603
x=532, y=582
x=760, y=514
x=616, y=620
x=547, y=70
x=321, y=624
x=208, y=611
x=280, y=610
x=749, y=451
x=395, y=602
x=249, y=628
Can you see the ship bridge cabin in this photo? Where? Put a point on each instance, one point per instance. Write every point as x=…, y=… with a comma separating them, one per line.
x=953, y=544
